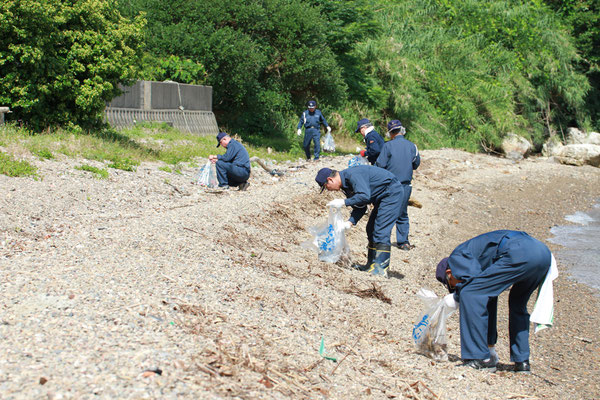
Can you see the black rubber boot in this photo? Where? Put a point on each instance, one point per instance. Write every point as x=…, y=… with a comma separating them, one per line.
x=370, y=255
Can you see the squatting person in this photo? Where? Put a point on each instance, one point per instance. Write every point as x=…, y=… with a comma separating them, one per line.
x=233, y=167
x=363, y=185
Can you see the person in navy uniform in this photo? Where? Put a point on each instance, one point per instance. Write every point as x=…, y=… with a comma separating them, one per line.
x=233, y=167
x=363, y=185
x=312, y=119
x=400, y=156
x=476, y=272
x=373, y=140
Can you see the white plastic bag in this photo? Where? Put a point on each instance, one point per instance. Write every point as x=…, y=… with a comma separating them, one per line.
x=207, y=176
x=328, y=143
x=329, y=238
x=429, y=333
x=357, y=160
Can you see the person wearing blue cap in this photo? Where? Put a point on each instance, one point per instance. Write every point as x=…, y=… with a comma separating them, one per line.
x=363, y=185
x=373, y=140
x=312, y=119
x=233, y=167
x=400, y=156
x=476, y=272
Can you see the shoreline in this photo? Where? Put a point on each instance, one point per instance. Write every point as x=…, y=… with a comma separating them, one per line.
x=107, y=279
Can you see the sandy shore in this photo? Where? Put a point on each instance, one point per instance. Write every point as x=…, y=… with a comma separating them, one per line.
x=146, y=286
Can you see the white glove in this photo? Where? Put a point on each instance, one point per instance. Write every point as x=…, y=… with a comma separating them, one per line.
x=450, y=302
x=348, y=225
x=328, y=129
x=337, y=203
x=299, y=132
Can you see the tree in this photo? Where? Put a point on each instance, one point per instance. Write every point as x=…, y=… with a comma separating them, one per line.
x=62, y=60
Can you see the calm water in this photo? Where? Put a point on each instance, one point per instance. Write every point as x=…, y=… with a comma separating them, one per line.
x=581, y=241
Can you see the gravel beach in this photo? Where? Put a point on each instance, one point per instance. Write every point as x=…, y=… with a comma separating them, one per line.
x=144, y=285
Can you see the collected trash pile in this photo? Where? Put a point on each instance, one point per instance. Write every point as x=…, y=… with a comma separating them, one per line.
x=328, y=143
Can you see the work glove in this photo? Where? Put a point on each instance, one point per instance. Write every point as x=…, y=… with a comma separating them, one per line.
x=362, y=153
x=299, y=132
x=337, y=203
x=348, y=225
x=450, y=302
x=328, y=129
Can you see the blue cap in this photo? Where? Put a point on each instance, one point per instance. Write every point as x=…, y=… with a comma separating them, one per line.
x=393, y=125
x=361, y=123
x=322, y=176
x=440, y=272
x=312, y=104
x=220, y=136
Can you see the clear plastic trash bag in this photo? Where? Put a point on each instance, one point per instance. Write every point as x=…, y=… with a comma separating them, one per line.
x=429, y=333
x=207, y=176
x=329, y=239
x=328, y=143
x=357, y=160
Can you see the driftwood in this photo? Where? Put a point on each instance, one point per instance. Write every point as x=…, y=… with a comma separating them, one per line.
x=271, y=171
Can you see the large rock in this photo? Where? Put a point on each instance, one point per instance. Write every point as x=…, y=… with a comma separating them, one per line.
x=514, y=146
x=576, y=154
x=575, y=136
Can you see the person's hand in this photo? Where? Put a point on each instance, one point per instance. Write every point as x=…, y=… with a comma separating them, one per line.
x=299, y=132
x=362, y=153
x=337, y=203
x=328, y=129
x=450, y=302
x=348, y=225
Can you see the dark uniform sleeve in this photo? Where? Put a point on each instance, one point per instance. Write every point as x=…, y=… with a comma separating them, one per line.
x=230, y=153
x=373, y=149
x=384, y=158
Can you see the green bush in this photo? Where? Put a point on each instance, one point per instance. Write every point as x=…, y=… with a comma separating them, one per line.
x=61, y=61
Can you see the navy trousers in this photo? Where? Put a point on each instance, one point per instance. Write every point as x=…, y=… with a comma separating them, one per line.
x=523, y=264
x=384, y=215
x=229, y=174
x=313, y=135
x=402, y=224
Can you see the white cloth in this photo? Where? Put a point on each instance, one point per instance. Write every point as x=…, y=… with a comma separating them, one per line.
x=543, y=311
x=337, y=203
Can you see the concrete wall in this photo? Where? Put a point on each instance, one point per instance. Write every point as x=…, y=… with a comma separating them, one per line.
x=185, y=107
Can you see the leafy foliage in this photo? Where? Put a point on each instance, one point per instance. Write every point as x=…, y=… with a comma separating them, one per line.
x=465, y=73
x=60, y=61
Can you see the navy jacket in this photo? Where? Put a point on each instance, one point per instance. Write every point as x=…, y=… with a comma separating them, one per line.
x=312, y=120
x=399, y=156
x=236, y=154
x=362, y=185
x=374, y=144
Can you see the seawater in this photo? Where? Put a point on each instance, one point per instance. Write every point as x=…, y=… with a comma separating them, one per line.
x=581, y=246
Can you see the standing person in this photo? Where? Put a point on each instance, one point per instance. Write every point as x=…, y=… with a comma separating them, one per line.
x=476, y=272
x=233, y=167
x=363, y=185
x=312, y=119
x=373, y=140
x=400, y=156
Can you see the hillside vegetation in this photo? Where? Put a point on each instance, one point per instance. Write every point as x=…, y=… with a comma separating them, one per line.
x=456, y=73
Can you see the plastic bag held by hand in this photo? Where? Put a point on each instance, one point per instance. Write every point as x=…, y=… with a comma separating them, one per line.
x=329, y=239
x=429, y=333
x=207, y=175
x=328, y=144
